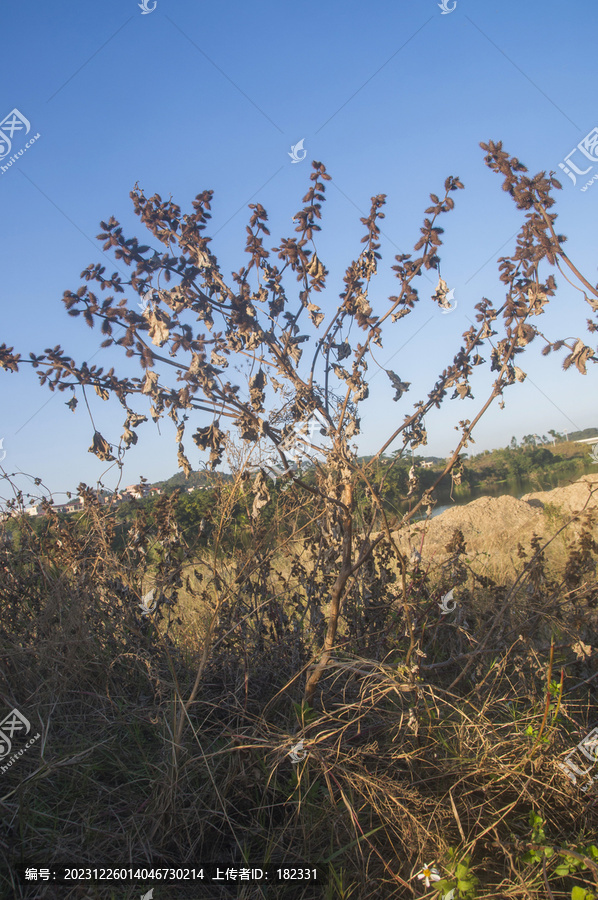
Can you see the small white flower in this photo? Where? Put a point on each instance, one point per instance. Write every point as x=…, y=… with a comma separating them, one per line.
x=429, y=874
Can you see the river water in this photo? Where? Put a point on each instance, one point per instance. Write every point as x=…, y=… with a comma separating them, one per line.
x=515, y=487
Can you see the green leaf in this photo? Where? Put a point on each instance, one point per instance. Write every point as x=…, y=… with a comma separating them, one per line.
x=562, y=870
x=578, y=893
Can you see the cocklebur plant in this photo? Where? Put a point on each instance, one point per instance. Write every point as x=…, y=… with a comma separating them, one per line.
x=302, y=359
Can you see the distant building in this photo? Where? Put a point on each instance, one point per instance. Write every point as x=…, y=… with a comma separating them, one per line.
x=33, y=511
x=135, y=490
x=72, y=506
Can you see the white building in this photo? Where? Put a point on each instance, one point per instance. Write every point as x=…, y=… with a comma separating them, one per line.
x=72, y=506
x=135, y=490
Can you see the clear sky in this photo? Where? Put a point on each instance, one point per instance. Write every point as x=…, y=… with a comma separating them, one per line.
x=393, y=97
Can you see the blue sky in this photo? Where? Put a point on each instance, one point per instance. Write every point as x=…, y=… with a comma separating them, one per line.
x=393, y=97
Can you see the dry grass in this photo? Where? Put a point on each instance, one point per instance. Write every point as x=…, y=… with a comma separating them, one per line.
x=439, y=754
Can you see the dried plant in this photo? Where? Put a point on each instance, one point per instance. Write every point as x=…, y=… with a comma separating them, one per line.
x=427, y=735
x=257, y=319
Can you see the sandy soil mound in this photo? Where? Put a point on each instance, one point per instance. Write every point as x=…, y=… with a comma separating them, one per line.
x=571, y=498
x=493, y=526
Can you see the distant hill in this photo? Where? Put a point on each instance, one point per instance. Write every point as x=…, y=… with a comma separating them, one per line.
x=201, y=479
x=208, y=479
x=581, y=435
x=195, y=479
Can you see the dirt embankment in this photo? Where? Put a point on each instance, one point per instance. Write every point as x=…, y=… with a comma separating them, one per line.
x=494, y=526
